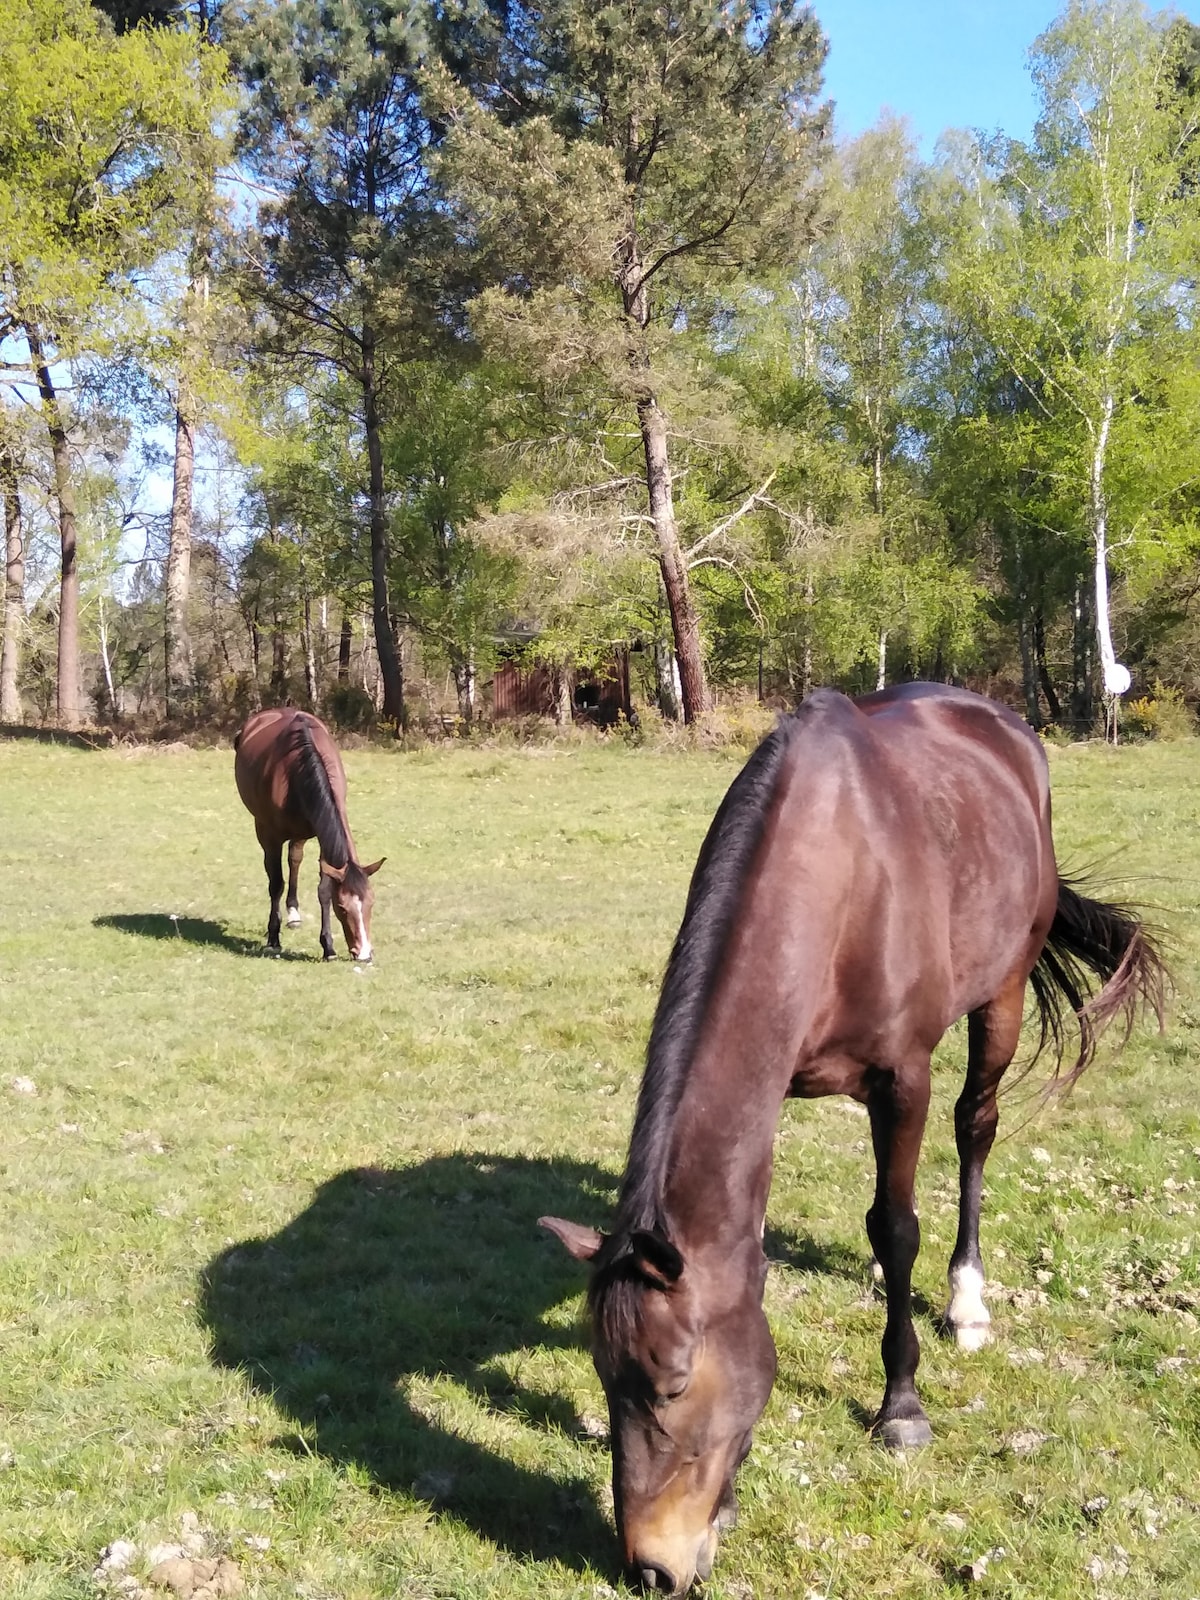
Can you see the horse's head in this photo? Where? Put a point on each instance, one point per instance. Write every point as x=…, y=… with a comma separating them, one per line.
x=687, y=1362
x=353, y=898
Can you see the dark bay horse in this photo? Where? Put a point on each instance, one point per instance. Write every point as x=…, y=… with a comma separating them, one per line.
x=291, y=780
x=879, y=869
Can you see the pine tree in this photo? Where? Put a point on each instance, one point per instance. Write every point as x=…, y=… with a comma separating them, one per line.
x=639, y=154
x=344, y=263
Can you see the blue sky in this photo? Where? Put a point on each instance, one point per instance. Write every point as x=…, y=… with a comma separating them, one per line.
x=940, y=63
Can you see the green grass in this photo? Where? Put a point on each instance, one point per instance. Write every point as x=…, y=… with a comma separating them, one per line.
x=268, y=1253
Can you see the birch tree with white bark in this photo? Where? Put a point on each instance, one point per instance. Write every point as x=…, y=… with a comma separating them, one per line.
x=1074, y=271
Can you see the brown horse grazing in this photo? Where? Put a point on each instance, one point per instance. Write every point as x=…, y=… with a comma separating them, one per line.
x=879, y=868
x=292, y=782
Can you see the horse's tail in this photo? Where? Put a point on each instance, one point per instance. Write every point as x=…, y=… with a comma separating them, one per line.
x=1089, y=939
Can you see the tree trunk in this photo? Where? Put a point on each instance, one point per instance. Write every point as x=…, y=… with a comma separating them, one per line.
x=180, y=669
x=1082, y=699
x=310, y=660
x=279, y=662
x=1114, y=676
x=560, y=690
x=106, y=662
x=68, y=702
x=666, y=680
x=345, y=644
x=463, y=670
x=806, y=664
x=14, y=587
x=1053, y=705
x=685, y=626
x=255, y=645
x=385, y=638
x=1029, y=682
x=877, y=497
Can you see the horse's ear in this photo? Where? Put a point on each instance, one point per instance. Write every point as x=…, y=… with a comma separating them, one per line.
x=337, y=873
x=579, y=1241
x=656, y=1258
x=374, y=867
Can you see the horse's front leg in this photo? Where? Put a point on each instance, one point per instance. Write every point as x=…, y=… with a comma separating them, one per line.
x=325, y=900
x=993, y=1033
x=898, y=1103
x=273, y=861
x=295, y=857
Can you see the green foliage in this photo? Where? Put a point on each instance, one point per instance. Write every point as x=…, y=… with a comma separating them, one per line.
x=1069, y=260
x=304, y=483
x=693, y=123
x=334, y=125
x=100, y=141
x=451, y=585
x=665, y=150
x=911, y=409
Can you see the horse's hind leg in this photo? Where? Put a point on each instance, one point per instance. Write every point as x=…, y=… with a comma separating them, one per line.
x=295, y=857
x=898, y=1103
x=993, y=1033
x=273, y=861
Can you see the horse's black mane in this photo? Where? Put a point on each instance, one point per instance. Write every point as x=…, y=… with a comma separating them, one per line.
x=714, y=897
x=313, y=793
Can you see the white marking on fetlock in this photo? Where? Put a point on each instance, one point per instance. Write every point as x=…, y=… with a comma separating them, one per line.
x=972, y=1336
x=876, y=1271
x=294, y=917
x=967, y=1314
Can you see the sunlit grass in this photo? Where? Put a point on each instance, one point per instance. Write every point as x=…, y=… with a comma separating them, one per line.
x=268, y=1240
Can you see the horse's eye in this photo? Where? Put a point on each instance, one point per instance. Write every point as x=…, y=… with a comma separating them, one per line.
x=665, y=1395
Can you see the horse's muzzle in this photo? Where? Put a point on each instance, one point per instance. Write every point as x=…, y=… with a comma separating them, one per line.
x=654, y=1576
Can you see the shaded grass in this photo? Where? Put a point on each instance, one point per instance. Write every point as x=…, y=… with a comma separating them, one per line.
x=268, y=1246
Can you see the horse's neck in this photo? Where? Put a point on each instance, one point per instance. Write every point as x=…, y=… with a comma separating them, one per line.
x=763, y=989
x=333, y=835
x=720, y=1157
x=759, y=1021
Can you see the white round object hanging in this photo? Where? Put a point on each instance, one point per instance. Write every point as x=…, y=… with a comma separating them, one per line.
x=1116, y=678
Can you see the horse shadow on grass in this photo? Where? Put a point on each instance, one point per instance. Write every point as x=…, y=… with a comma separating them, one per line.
x=192, y=930
x=394, y=1276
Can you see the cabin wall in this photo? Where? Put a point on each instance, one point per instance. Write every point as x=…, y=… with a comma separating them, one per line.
x=598, y=697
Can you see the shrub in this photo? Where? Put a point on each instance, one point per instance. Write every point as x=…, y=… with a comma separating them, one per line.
x=1163, y=715
x=351, y=709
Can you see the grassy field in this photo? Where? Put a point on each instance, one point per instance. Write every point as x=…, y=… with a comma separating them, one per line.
x=270, y=1280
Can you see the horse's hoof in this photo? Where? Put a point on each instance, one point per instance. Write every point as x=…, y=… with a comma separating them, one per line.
x=904, y=1433
x=329, y=955
x=272, y=950
x=294, y=919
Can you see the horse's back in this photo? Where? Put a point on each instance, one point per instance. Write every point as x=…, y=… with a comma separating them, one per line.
x=923, y=814
x=266, y=750
x=923, y=750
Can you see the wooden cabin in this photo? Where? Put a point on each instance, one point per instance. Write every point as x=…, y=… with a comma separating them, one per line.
x=597, y=697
